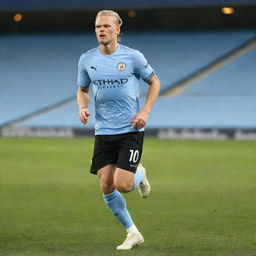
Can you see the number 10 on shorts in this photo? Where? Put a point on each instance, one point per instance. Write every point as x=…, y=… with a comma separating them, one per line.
x=134, y=155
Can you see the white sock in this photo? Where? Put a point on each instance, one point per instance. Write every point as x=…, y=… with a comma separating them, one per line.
x=132, y=229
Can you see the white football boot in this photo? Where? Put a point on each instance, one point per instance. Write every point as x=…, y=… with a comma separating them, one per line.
x=144, y=187
x=132, y=240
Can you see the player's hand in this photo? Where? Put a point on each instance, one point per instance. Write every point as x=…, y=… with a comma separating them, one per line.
x=140, y=119
x=84, y=115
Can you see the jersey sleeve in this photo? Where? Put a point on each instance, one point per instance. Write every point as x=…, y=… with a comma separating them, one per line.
x=83, y=79
x=141, y=67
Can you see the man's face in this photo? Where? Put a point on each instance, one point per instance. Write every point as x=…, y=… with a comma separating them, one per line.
x=106, y=29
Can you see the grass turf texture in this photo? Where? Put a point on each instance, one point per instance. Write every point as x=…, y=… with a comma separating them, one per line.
x=203, y=199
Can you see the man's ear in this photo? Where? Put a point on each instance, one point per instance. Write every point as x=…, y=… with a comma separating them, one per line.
x=118, y=30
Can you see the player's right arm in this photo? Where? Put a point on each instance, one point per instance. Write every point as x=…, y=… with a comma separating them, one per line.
x=83, y=102
x=83, y=81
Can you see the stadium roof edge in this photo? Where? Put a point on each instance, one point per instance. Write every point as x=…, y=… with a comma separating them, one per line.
x=6, y=5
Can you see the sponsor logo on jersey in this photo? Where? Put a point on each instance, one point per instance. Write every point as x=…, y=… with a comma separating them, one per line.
x=95, y=68
x=121, y=66
x=110, y=83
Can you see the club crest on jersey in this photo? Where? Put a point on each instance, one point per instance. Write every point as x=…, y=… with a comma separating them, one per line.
x=121, y=66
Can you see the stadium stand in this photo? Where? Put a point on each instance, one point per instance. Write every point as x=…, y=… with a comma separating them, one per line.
x=47, y=75
x=177, y=55
x=65, y=116
x=224, y=99
x=38, y=71
x=235, y=79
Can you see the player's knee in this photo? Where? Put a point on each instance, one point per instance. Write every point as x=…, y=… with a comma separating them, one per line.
x=107, y=187
x=123, y=186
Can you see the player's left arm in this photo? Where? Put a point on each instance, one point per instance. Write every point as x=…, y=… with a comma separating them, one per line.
x=141, y=118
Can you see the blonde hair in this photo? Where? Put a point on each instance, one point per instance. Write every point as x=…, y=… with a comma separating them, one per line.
x=118, y=22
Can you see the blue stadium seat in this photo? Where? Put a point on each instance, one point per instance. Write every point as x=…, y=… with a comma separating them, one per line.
x=37, y=71
x=35, y=77
x=226, y=98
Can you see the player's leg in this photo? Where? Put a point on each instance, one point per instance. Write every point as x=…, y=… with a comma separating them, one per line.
x=114, y=199
x=124, y=182
x=103, y=164
x=106, y=178
x=127, y=177
x=129, y=160
x=141, y=181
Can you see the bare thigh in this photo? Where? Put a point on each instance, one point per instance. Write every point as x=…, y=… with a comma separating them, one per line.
x=123, y=180
x=106, y=176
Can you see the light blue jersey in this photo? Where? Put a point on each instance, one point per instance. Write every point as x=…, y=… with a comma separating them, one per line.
x=115, y=82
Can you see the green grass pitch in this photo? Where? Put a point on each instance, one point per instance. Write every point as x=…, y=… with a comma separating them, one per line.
x=203, y=200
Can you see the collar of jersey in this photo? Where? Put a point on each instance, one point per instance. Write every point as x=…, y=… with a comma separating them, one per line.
x=109, y=55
